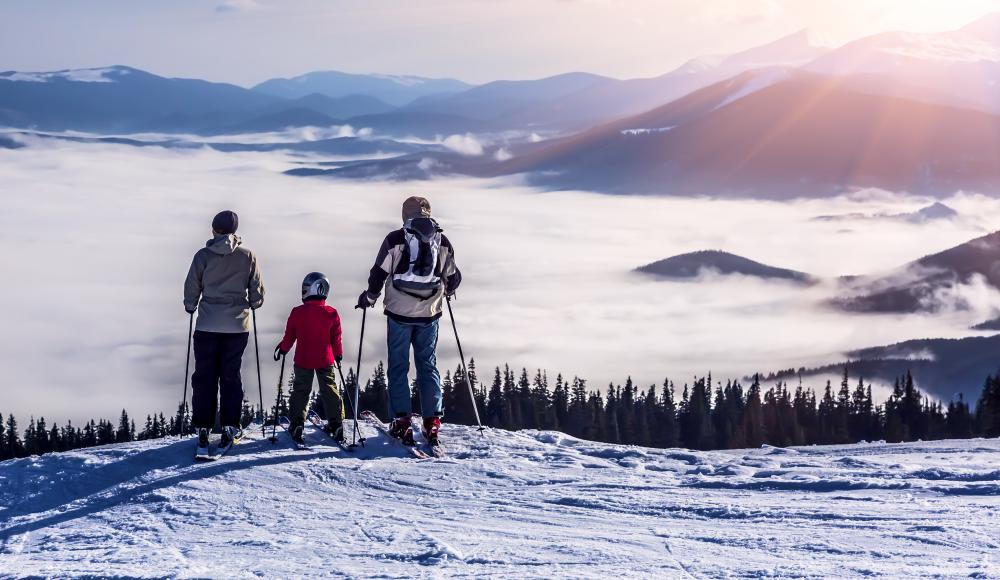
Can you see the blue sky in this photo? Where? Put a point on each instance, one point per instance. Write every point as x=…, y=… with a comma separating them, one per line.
x=248, y=41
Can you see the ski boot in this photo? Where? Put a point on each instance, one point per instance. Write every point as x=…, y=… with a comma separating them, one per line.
x=297, y=436
x=228, y=436
x=432, y=425
x=202, y=443
x=401, y=428
x=336, y=431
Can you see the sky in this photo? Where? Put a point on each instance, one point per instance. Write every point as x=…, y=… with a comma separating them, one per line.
x=248, y=41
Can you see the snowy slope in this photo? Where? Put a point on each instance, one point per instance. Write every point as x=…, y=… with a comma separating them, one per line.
x=530, y=504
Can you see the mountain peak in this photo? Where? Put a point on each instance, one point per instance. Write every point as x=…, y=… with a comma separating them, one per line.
x=793, y=49
x=985, y=27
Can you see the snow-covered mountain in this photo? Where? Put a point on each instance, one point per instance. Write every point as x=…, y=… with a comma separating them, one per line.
x=808, y=135
x=527, y=505
x=498, y=100
x=606, y=101
x=120, y=98
x=960, y=68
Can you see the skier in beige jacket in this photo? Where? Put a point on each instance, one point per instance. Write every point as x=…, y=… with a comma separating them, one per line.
x=222, y=285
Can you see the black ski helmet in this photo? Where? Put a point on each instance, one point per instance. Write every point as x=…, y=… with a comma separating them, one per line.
x=315, y=285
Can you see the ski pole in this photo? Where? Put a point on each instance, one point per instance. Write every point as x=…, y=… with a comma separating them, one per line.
x=187, y=371
x=357, y=430
x=260, y=383
x=274, y=427
x=465, y=369
x=357, y=377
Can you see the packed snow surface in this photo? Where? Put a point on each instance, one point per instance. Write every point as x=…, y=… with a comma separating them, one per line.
x=527, y=504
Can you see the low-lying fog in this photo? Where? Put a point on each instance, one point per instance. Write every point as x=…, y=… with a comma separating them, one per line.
x=96, y=241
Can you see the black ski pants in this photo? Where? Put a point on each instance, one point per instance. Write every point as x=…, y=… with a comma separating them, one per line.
x=217, y=360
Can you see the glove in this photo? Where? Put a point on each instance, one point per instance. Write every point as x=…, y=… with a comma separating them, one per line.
x=365, y=300
x=278, y=353
x=339, y=359
x=190, y=311
x=449, y=294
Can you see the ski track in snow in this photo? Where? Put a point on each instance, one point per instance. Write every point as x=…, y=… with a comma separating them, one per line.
x=526, y=505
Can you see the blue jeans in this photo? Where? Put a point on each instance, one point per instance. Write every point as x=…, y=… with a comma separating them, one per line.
x=423, y=336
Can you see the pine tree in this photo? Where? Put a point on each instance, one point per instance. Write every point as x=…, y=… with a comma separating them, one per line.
x=247, y=414
x=182, y=420
x=840, y=425
x=988, y=409
x=541, y=402
x=477, y=389
x=666, y=430
x=55, y=440
x=960, y=421
x=560, y=404
x=695, y=418
x=122, y=434
x=448, y=397
x=375, y=396
x=13, y=445
x=525, y=407
x=89, y=434
x=645, y=416
x=579, y=416
x=610, y=416
x=753, y=417
x=495, y=404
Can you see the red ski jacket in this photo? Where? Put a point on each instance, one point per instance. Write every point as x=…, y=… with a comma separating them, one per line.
x=316, y=327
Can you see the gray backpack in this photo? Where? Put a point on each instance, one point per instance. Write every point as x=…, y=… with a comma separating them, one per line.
x=418, y=273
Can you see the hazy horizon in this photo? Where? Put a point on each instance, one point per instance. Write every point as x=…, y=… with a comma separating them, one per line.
x=248, y=41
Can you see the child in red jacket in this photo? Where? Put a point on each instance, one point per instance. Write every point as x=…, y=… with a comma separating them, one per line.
x=316, y=328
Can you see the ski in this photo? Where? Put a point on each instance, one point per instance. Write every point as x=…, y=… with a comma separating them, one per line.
x=286, y=424
x=318, y=423
x=377, y=423
x=203, y=457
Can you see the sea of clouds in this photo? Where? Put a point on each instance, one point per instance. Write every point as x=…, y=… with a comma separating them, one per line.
x=96, y=240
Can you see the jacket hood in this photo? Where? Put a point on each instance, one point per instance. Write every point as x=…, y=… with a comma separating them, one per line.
x=424, y=227
x=224, y=244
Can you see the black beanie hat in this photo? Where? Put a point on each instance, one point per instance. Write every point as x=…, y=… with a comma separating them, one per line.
x=226, y=222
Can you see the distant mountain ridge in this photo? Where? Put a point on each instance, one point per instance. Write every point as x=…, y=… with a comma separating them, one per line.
x=917, y=286
x=934, y=211
x=396, y=90
x=117, y=98
x=941, y=367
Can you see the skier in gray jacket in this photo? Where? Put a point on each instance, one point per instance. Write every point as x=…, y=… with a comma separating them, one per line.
x=222, y=285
